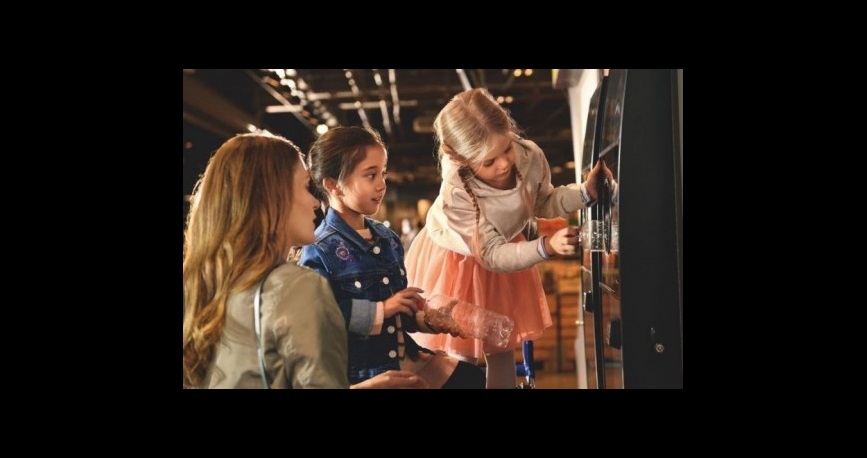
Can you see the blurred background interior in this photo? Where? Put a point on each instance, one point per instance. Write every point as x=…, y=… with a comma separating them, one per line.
x=399, y=103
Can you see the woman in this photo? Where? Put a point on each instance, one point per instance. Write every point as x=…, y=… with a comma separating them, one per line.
x=251, y=206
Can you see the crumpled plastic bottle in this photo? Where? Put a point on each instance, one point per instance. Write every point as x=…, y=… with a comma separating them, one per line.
x=444, y=312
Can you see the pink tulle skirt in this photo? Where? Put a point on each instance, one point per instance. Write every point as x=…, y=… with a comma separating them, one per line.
x=518, y=295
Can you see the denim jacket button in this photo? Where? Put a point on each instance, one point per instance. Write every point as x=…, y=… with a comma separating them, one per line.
x=357, y=284
x=376, y=250
x=390, y=329
x=384, y=280
x=392, y=354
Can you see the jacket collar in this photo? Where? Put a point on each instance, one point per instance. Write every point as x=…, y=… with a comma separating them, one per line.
x=334, y=222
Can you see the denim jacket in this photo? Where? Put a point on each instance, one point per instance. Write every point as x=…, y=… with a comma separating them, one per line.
x=361, y=274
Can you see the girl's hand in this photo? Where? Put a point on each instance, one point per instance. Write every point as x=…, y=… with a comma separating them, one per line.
x=403, y=301
x=563, y=242
x=440, y=320
x=391, y=380
x=594, y=179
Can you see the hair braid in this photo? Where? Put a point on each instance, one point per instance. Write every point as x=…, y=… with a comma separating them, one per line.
x=465, y=173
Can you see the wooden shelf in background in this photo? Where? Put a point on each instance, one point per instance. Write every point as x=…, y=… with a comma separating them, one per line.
x=555, y=349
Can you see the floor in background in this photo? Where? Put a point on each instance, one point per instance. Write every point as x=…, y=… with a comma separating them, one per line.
x=555, y=380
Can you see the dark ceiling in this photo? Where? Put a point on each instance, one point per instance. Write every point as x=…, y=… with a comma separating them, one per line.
x=292, y=102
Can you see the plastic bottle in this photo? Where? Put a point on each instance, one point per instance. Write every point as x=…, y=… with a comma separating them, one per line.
x=445, y=312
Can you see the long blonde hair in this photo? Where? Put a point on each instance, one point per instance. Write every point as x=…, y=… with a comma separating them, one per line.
x=464, y=128
x=236, y=231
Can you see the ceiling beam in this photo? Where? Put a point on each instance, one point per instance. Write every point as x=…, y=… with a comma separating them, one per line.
x=211, y=111
x=289, y=106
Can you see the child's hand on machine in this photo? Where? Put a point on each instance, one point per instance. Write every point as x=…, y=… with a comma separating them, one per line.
x=594, y=179
x=564, y=242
